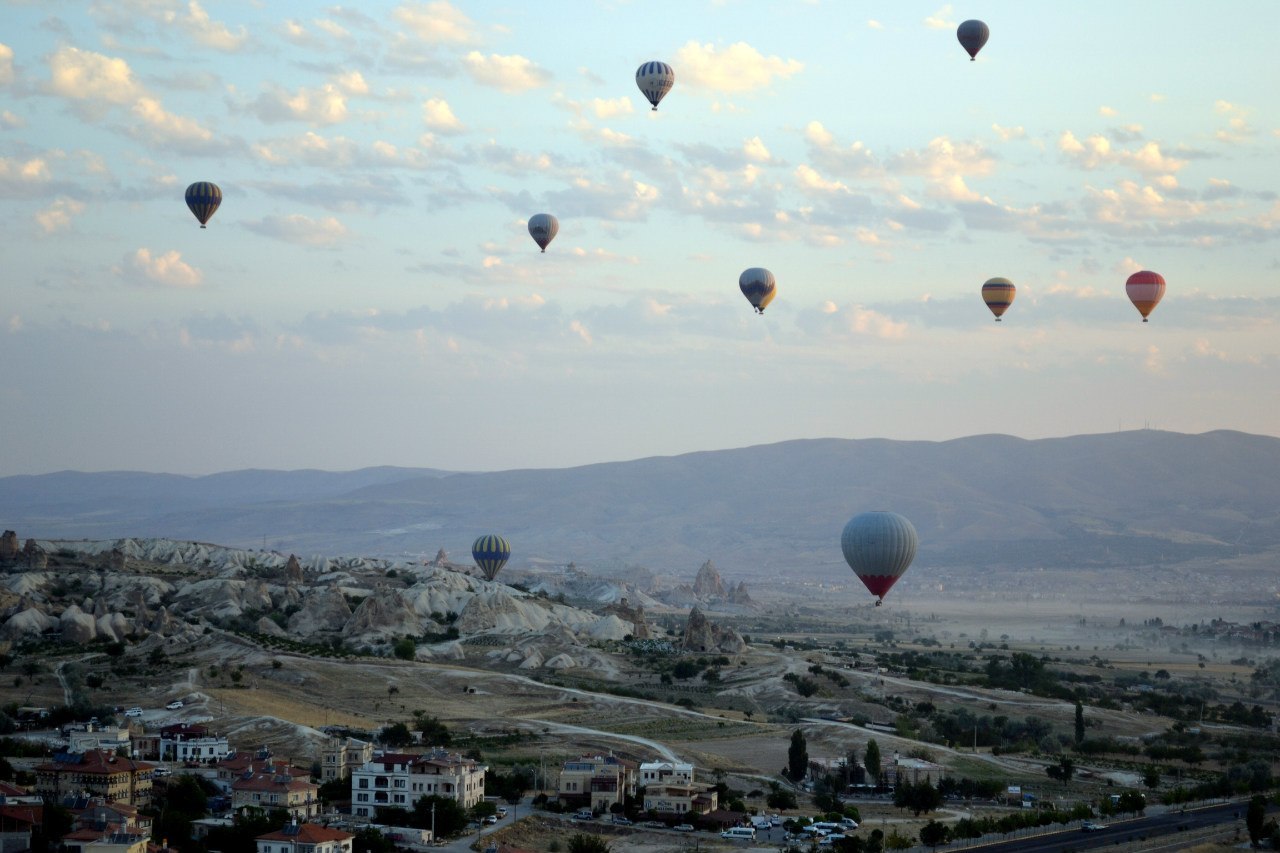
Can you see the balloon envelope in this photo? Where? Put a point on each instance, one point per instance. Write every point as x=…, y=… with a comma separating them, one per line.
x=491, y=554
x=998, y=293
x=543, y=228
x=973, y=35
x=759, y=286
x=879, y=546
x=1145, y=289
x=655, y=79
x=203, y=198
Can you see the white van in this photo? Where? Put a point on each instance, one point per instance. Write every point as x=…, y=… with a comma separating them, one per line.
x=740, y=832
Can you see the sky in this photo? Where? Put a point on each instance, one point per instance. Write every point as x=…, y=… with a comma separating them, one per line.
x=368, y=294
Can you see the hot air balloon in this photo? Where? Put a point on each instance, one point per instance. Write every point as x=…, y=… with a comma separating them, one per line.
x=203, y=198
x=543, y=228
x=998, y=294
x=491, y=554
x=1145, y=289
x=973, y=35
x=655, y=79
x=759, y=286
x=879, y=546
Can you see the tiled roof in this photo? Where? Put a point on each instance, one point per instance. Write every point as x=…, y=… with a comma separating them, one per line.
x=306, y=833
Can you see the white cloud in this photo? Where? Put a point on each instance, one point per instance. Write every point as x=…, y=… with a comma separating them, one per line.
x=301, y=230
x=6, y=64
x=168, y=269
x=608, y=108
x=873, y=24
x=208, y=32
x=1097, y=150
x=818, y=135
x=945, y=164
x=9, y=121
x=755, y=150
x=737, y=68
x=438, y=115
x=809, y=179
x=352, y=83
x=941, y=19
x=581, y=331
x=437, y=22
x=57, y=216
x=1009, y=133
x=1107, y=111
x=508, y=73
x=168, y=126
x=1131, y=203
x=326, y=105
x=332, y=28
x=87, y=76
x=1238, y=129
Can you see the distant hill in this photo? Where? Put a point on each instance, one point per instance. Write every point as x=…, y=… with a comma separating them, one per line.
x=1117, y=499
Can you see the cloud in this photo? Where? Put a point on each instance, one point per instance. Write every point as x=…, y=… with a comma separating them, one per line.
x=755, y=150
x=580, y=330
x=9, y=121
x=6, y=64
x=83, y=75
x=436, y=23
x=941, y=19
x=945, y=164
x=1009, y=133
x=326, y=105
x=1097, y=151
x=168, y=269
x=608, y=108
x=1131, y=205
x=208, y=32
x=1107, y=111
x=1237, y=129
x=57, y=216
x=738, y=68
x=809, y=179
x=301, y=230
x=170, y=127
x=438, y=115
x=873, y=24
x=508, y=73
x=33, y=170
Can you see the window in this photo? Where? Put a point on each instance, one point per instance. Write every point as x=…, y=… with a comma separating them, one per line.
x=362, y=798
x=364, y=783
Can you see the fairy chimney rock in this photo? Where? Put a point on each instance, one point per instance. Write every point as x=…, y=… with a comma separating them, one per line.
x=8, y=546
x=708, y=582
x=293, y=570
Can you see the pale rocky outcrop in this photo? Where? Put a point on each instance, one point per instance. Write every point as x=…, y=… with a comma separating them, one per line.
x=9, y=547
x=610, y=628
x=738, y=594
x=383, y=615
x=293, y=570
x=35, y=558
x=708, y=583
x=561, y=661
x=701, y=635
x=29, y=622
x=268, y=626
x=323, y=610
x=113, y=627
x=77, y=626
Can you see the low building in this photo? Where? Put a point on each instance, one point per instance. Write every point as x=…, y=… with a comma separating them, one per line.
x=305, y=838
x=678, y=798
x=597, y=782
x=18, y=822
x=92, y=841
x=343, y=755
x=400, y=779
x=268, y=791
x=97, y=774
x=109, y=740
x=191, y=742
x=662, y=772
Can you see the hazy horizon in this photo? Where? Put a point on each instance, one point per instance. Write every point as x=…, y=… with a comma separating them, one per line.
x=368, y=293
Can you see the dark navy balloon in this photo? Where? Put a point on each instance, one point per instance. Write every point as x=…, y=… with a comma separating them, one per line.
x=973, y=35
x=203, y=198
x=879, y=546
x=491, y=554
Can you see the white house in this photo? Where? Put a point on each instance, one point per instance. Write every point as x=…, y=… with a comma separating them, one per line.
x=400, y=779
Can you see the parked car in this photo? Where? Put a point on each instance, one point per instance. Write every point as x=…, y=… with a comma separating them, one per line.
x=133, y=712
x=654, y=824
x=621, y=820
x=583, y=814
x=502, y=812
x=174, y=705
x=491, y=819
x=683, y=827
x=1090, y=826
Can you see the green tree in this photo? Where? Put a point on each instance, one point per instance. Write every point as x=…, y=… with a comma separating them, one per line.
x=797, y=757
x=405, y=648
x=685, y=669
x=1132, y=801
x=918, y=797
x=1255, y=818
x=933, y=834
x=1151, y=777
x=780, y=798
x=450, y=819
x=433, y=731
x=1079, y=721
x=871, y=761
x=1063, y=770
x=370, y=840
x=396, y=734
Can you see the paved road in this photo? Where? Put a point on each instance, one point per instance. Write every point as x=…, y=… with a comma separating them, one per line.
x=1120, y=832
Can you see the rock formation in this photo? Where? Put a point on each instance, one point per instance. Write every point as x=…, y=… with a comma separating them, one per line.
x=708, y=583
x=293, y=570
x=323, y=610
x=34, y=556
x=701, y=635
x=635, y=615
x=738, y=594
x=8, y=548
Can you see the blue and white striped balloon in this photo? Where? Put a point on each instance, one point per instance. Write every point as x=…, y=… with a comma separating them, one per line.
x=543, y=228
x=655, y=79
